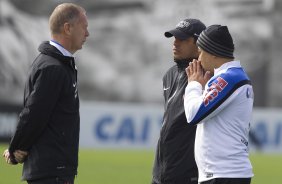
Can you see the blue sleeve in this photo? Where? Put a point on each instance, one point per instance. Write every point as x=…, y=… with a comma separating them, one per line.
x=218, y=90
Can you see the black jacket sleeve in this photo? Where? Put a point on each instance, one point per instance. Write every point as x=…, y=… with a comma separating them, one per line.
x=43, y=92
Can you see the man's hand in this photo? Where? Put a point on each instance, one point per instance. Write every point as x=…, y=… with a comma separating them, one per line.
x=195, y=72
x=7, y=157
x=20, y=156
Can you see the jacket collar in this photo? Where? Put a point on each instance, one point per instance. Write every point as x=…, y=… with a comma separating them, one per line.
x=226, y=66
x=60, y=48
x=182, y=64
x=50, y=50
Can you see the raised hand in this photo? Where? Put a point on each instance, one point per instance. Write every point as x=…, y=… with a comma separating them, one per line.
x=195, y=72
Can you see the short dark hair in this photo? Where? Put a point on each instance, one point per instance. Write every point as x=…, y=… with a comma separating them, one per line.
x=195, y=38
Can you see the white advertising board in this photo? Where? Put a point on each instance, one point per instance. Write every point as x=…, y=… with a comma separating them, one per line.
x=137, y=126
x=115, y=125
x=112, y=125
x=267, y=126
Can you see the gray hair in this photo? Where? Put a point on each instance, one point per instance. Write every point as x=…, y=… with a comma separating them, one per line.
x=64, y=13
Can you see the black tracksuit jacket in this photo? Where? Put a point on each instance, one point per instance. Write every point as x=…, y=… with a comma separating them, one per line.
x=48, y=126
x=174, y=160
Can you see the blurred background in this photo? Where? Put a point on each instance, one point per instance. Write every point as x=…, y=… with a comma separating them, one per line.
x=127, y=54
x=122, y=63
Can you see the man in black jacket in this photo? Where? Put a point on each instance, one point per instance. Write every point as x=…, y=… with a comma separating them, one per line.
x=174, y=160
x=47, y=136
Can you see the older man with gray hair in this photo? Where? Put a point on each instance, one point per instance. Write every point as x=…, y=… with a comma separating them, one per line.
x=47, y=135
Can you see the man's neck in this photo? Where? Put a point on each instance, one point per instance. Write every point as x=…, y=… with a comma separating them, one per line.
x=220, y=61
x=61, y=48
x=63, y=42
x=182, y=63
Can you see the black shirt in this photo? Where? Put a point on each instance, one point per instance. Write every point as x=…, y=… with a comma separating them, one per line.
x=174, y=160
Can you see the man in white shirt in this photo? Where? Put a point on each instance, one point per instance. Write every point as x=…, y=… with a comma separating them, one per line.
x=221, y=107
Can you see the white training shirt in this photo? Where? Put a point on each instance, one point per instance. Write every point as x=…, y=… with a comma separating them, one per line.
x=222, y=113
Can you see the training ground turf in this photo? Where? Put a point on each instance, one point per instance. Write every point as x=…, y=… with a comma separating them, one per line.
x=134, y=167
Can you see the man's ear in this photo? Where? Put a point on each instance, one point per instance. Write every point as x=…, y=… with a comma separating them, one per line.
x=67, y=28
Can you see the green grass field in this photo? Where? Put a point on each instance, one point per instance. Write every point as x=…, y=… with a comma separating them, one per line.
x=134, y=167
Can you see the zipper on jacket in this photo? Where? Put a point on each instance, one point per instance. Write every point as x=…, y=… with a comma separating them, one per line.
x=180, y=74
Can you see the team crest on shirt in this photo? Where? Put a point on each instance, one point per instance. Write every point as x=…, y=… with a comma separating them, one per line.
x=214, y=90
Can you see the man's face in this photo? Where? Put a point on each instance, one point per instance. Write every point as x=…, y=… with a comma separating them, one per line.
x=185, y=49
x=79, y=32
x=206, y=60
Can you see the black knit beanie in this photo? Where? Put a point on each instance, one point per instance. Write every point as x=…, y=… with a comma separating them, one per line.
x=217, y=41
